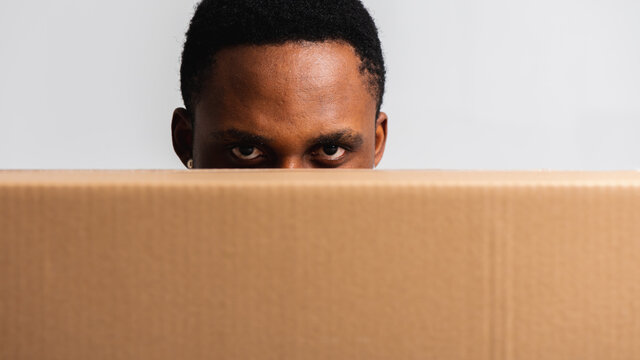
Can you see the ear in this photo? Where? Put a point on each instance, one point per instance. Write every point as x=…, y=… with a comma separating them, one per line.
x=182, y=134
x=381, y=137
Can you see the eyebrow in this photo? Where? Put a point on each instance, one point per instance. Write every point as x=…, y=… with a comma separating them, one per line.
x=239, y=135
x=346, y=136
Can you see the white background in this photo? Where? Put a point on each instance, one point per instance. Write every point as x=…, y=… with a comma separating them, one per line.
x=484, y=84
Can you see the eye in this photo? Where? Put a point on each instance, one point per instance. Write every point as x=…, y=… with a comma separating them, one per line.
x=331, y=152
x=246, y=152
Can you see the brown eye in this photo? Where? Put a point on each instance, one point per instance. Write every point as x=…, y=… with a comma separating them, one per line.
x=330, y=149
x=331, y=152
x=246, y=152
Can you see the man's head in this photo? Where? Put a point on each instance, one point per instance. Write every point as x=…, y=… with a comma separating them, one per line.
x=281, y=84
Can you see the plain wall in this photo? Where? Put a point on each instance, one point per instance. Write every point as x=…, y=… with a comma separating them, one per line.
x=490, y=84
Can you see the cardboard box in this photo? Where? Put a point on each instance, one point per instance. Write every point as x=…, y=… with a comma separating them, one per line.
x=319, y=265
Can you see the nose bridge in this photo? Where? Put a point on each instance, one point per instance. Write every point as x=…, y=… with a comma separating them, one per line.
x=292, y=162
x=291, y=150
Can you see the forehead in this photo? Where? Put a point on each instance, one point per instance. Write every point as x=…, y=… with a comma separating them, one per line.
x=289, y=82
x=300, y=66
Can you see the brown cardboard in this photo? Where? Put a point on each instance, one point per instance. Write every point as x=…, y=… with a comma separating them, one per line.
x=319, y=265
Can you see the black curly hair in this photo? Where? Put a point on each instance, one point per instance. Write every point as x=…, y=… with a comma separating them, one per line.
x=219, y=24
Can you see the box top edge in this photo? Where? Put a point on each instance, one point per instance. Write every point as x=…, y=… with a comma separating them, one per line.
x=315, y=177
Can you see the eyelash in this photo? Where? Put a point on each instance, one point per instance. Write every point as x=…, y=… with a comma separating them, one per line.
x=347, y=148
x=229, y=150
x=344, y=146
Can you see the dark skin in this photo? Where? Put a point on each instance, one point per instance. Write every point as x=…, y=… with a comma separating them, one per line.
x=296, y=105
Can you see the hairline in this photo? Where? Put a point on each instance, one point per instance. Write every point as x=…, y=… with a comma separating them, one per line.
x=370, y=79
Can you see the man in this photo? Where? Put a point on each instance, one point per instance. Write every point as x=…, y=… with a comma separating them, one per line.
x=281, y=84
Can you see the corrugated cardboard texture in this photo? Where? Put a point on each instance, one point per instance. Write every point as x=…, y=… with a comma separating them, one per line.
x=319, y=265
